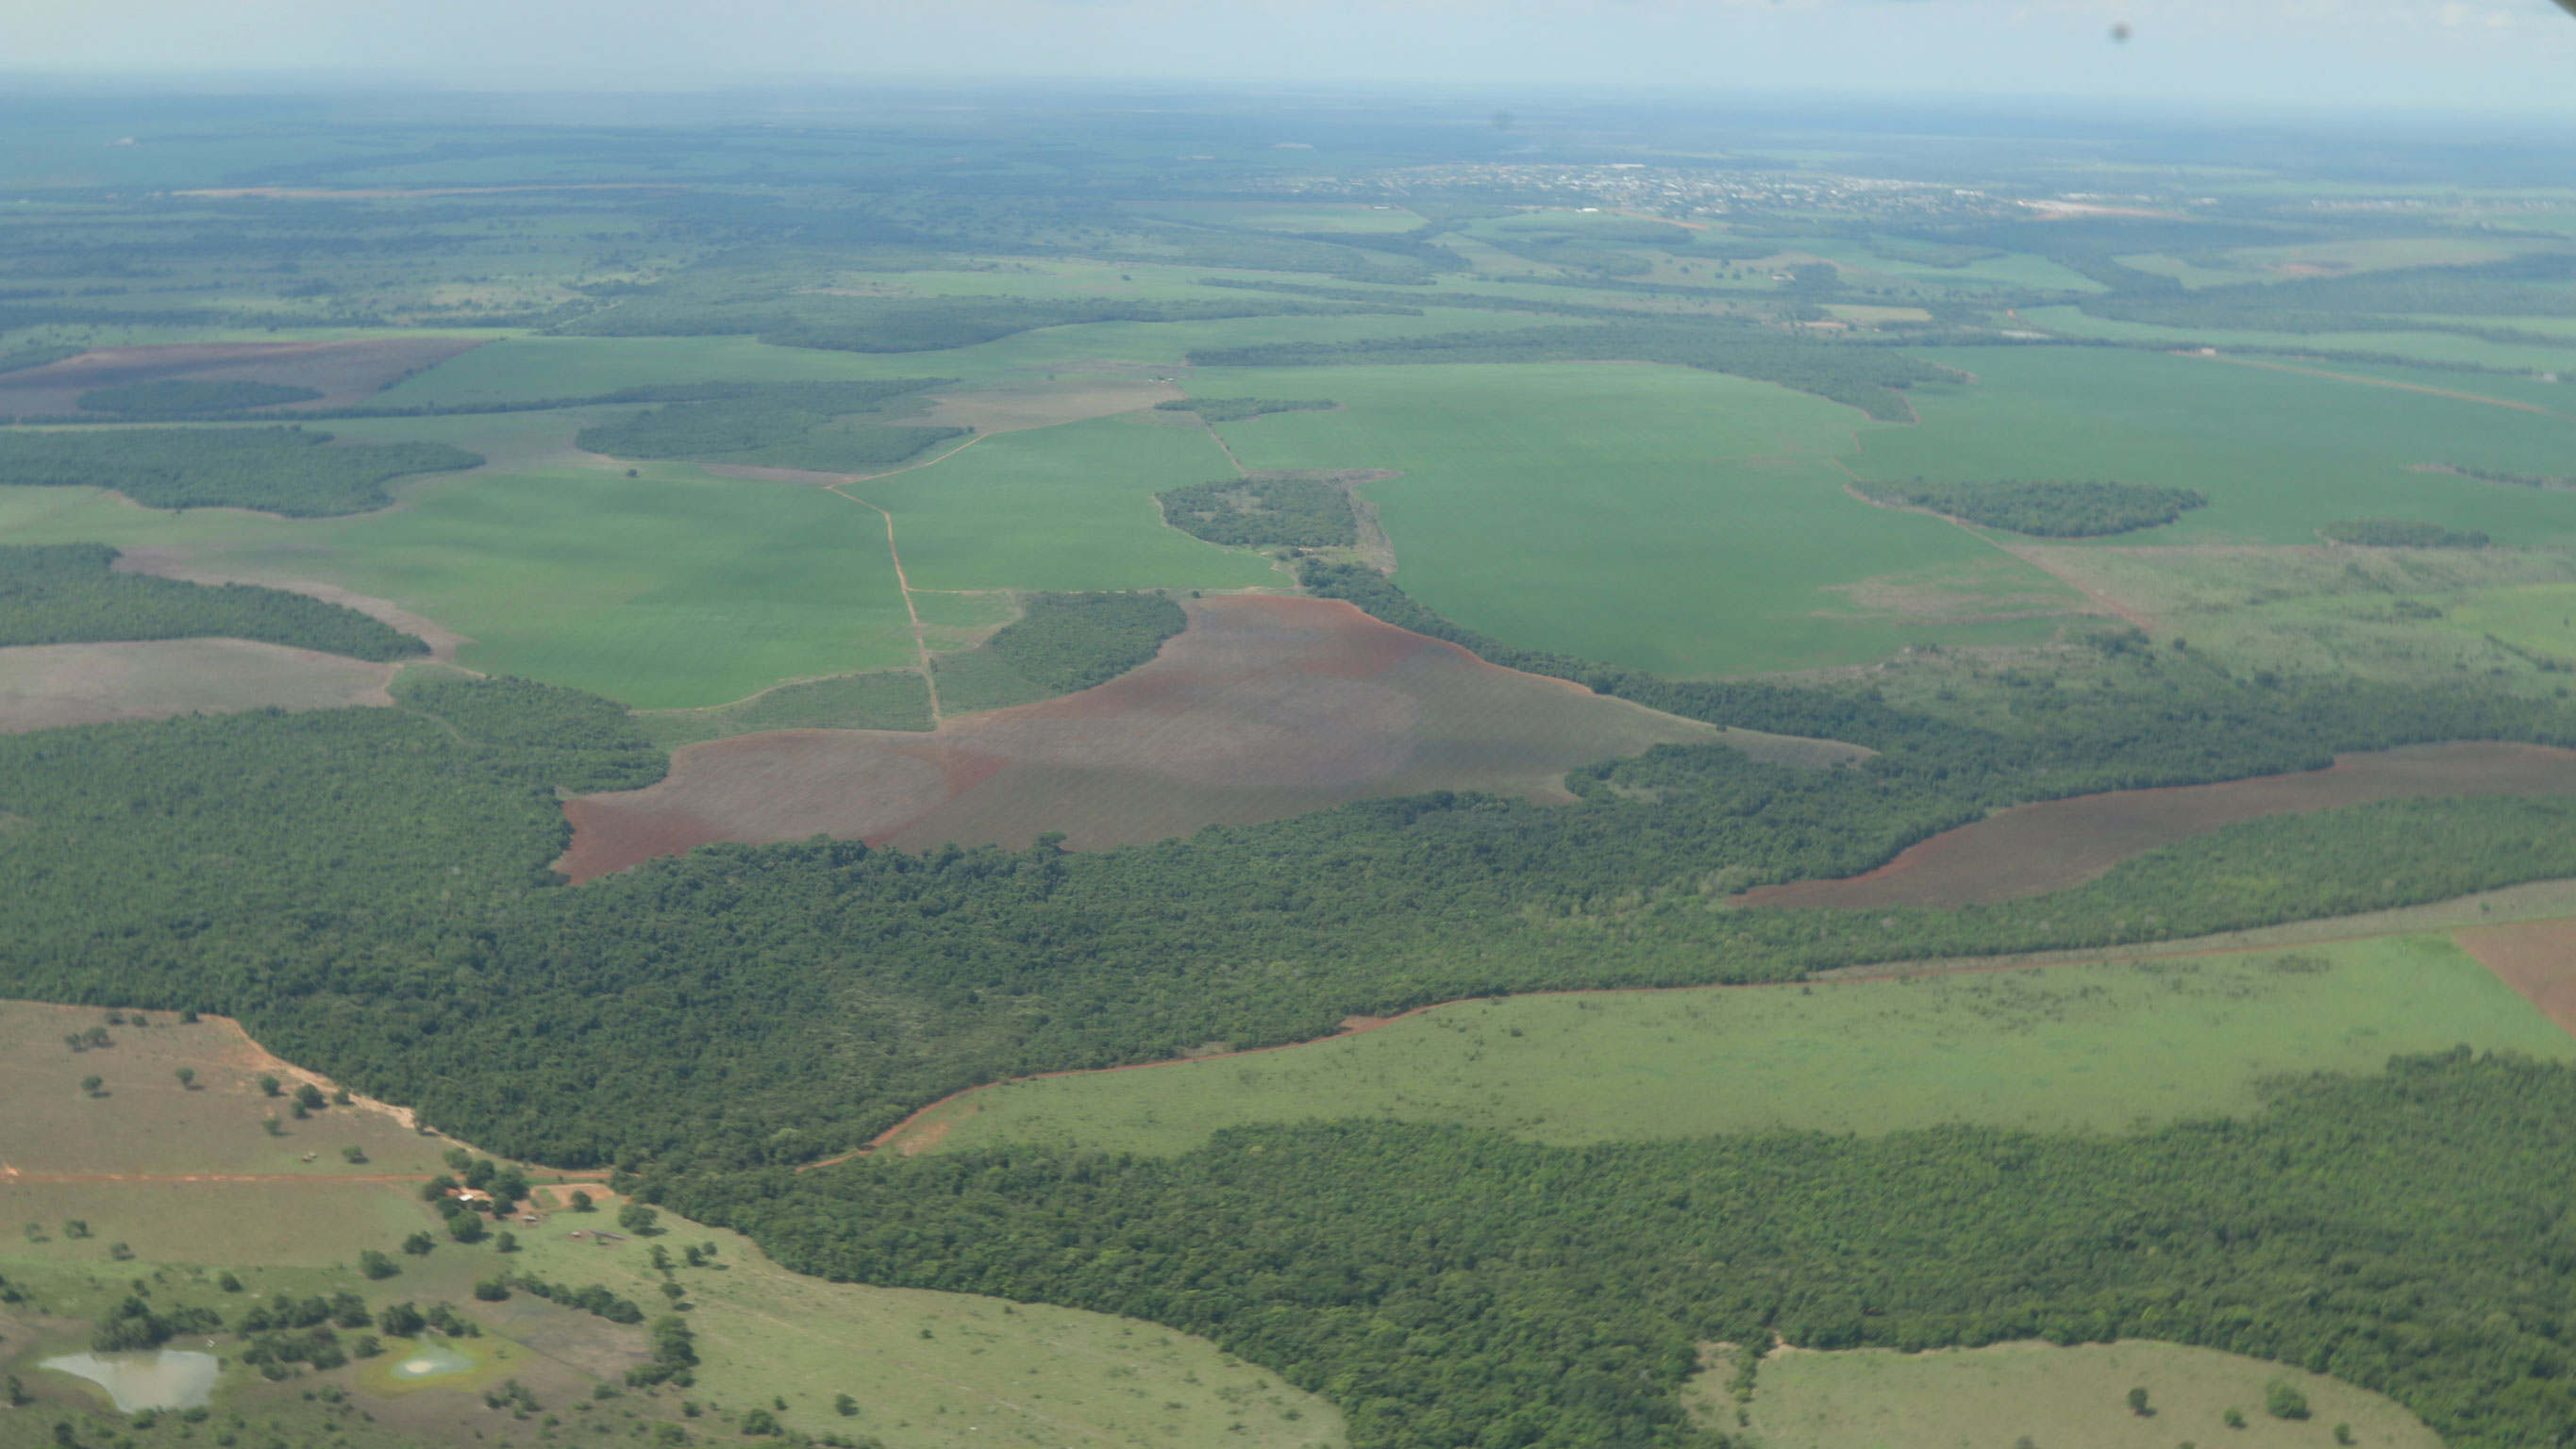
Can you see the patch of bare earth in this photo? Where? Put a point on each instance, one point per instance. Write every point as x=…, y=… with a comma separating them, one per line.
x=46, y=686
x=173, y=563
x=1264, y=707
x=343, y=372
x=2030, y=849
x=2535, y=958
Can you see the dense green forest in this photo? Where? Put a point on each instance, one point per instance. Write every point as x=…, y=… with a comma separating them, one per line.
x=2524, y=286
x=790, y=425
x=70, y=594
x=2399, y=533
x=2047, y=508
x=139, y=400
x=274, y=470
x=1264, y=510
x=2406, y=1232
x=1068, y=642
x=1236, y=409
x=911, y=324
x=1864, y=375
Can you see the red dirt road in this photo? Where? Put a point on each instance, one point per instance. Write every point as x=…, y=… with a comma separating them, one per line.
x=2034, y=848
x=1265, y=707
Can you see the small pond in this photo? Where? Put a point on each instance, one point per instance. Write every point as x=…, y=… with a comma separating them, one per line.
x=427, y=1360
x=166, y=1378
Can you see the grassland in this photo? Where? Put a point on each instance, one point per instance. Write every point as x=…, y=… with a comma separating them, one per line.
x=2037, y=1393
x=884, y=699
x=2277, y=452
x=189, y=1183
x=2089, y=1048
x=1681, y=522
x=47, y=686
x=2435, y=348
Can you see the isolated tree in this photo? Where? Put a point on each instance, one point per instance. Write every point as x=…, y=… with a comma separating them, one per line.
x=457, y=1158
x=354, y=1155
x=2285, y=1402
x=635, y=1217
x=2235, y=1418
x=2343, y=1433
x=419, y=1244
x=376, y=1265
x=75, y=1227
x=309, y=1097
x=268, y=1085
x=90, y=1085
x=505, y=1243
x=273, y=1127
x=2138, y=1403
x=466, y=1228
x=400, y=1320
x=845, y=1406
x=581, y=1202
x=228, y=1283
x=187, y=1077
x=759, y=1421
x=340, y=1097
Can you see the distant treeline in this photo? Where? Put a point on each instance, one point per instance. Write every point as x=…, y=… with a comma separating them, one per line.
x=69, y=594
x=2048, y=508
x=911, y=324
x=2399, y=533
x=660, y=392
x=783, y=425
x=146, y=400
x=1859, y=374
x=1264, y=510
x=1236, y=409
x=2536, y=285
x=274, y=470
x=2514, y=480
x=26, y=357
x=1447, y=1286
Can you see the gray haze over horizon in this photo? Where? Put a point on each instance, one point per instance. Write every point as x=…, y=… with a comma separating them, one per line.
x=2343, y=55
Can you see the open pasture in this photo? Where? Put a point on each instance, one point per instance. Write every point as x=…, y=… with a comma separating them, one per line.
x=46, y=686
x=1264, y=707
x=2039, y=1393
x=2431, y=347
x=2084, y=1048
x=2278, y=452
x=2031, y=849
x=1687, y=523
x=344, y=372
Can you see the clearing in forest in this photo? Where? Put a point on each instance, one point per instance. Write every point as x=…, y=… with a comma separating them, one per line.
x=2030, y=849
x=1265, y=707
x=2095, y=1047
x=2041, y=1394
x=45, y=686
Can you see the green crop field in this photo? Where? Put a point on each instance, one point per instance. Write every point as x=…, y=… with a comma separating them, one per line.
x=1683, y=522
x=2037, y=1393
x=2424, y=346
x=2063, y=1048
x=2277, y=452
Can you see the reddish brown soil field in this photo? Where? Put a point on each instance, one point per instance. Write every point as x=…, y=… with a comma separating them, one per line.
x=344, y=372
x=2536, y=958
x=1265, y=707
x=46, y=686
x=2033, y=848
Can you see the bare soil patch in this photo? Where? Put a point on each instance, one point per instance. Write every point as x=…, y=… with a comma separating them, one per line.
x=45, y=686
x=343, y=372
x=2030, y=849
x=2536, y=959
x=1264, y=707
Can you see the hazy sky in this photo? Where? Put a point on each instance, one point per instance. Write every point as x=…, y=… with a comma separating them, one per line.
x=2343, y=53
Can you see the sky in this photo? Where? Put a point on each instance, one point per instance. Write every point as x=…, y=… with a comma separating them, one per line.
x=2347, y=55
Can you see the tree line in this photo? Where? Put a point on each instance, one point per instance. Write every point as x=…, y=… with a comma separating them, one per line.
x=70, y=593
x=275, y=470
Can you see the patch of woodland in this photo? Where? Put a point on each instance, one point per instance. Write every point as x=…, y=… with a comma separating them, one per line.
x=283, y=470
x=1237, y=409
x=2399, y=299
x=1060, y=644
x=143, y=401
x=70, y=593
x=2047, y=507
x=1265, y=510
x=1451, y=1286
x=915, y=324
x=23, y=358
x=2399, y=533
x=2512, y=480
x=824, y=426
x=1866, y=375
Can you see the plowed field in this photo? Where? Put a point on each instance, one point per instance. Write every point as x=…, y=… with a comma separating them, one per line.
x=45, y=686
x=343, y=372
x=1264, y=707
x=2034, y=848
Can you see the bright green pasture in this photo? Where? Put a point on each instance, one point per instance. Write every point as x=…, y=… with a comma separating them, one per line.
x=2092, y=1048
x=672, y=590
x=1068, y=507
x=2432, y=347
x=2038, y=1393
x=1684, y=522
x=2277, y=452
x=2014, y=269
x=2537, y=617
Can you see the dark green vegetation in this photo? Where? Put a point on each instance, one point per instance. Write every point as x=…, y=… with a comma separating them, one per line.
x=145, y=400
x=2403, y=1232
x=2515, y=480
x=2047, y=508
x=274, y=470
x=2527, y=286
x=70, y=594
x=1236, y=409
x=1067, y=642
x=2399, y=533
x=20, y=359
x=907, y=324
x=812, y=425
x=1865, y=375
x=1264, y=510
